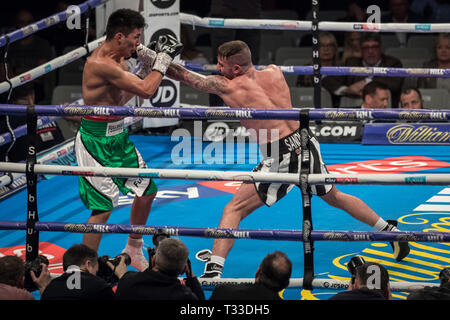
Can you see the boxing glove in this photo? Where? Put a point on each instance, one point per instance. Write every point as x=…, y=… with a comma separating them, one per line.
x=146, y=56
x=167, y=48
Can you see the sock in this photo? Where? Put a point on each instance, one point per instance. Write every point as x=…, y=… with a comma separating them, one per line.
x=135, y=243
x=380, y=225
x=214, y=267
x=218, y=260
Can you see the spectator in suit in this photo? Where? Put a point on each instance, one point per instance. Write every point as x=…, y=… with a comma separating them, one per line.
x=442, y=61
x=411, y=98
x=372, y=56
x=375, y=96
x=271, y=277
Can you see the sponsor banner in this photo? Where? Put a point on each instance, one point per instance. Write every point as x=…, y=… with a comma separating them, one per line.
x=162, y=17
x=407, y=133
x=366, y=26
x=337, y=132
x=326, y=132
x=217, y=130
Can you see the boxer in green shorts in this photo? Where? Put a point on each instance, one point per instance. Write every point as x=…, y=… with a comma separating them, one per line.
x=101, y=193
x=103, y=141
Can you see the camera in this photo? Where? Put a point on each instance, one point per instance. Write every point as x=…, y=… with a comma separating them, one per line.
x=157, y=238
x=105, y=272
x=35, y=266
x=354, y=263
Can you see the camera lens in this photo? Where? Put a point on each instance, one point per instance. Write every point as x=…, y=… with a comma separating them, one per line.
x=127, y=258
x=355, y=262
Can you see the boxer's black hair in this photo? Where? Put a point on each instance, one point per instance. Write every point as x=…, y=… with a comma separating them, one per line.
x=124, y=21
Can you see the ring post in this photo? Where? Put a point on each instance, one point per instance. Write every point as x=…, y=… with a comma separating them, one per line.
x=316, y=58
x=308, y=244
x=32, y=237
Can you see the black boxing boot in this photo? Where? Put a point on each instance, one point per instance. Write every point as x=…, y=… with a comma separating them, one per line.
x=401, y=249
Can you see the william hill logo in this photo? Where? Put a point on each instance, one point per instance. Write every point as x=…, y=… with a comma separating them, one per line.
x=409, y=134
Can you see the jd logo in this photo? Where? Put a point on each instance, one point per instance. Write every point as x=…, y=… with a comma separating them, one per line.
x=166, y=95
x=163, y=4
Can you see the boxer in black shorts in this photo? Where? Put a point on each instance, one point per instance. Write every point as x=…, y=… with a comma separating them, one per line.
x=288, y=160
x=240, y=85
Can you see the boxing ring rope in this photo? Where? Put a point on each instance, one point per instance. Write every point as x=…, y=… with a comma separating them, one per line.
x=437, y=179
x=341, y=71
x=75, y=54
x=49, y=66
x=241, y=114
x=220, y=233
x=277, y=235
x=230, y=113
x=210, y=284
x=281, y=24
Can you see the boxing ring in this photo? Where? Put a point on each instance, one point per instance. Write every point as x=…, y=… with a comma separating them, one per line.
x=405, y=276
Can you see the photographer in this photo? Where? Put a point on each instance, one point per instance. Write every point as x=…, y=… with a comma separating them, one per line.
x=160, y=281
x=79, y=280
x=434, y=293
x=12, y=279
x=370, y=281
x=272, y=276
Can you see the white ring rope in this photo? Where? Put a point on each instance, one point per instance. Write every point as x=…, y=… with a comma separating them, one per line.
x=273, y=24
x=51, y=65
x=287, y=178
x=319, y=283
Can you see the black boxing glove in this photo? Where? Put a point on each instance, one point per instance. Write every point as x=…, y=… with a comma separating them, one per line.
x=147, y=57
x=167, y=48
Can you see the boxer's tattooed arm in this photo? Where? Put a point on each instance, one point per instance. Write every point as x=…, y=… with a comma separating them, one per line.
x=210, y=84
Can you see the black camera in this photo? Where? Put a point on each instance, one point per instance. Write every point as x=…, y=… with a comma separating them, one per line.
x=35, y=266
x=354, y=263
x=157, y=238
x=105, y=272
